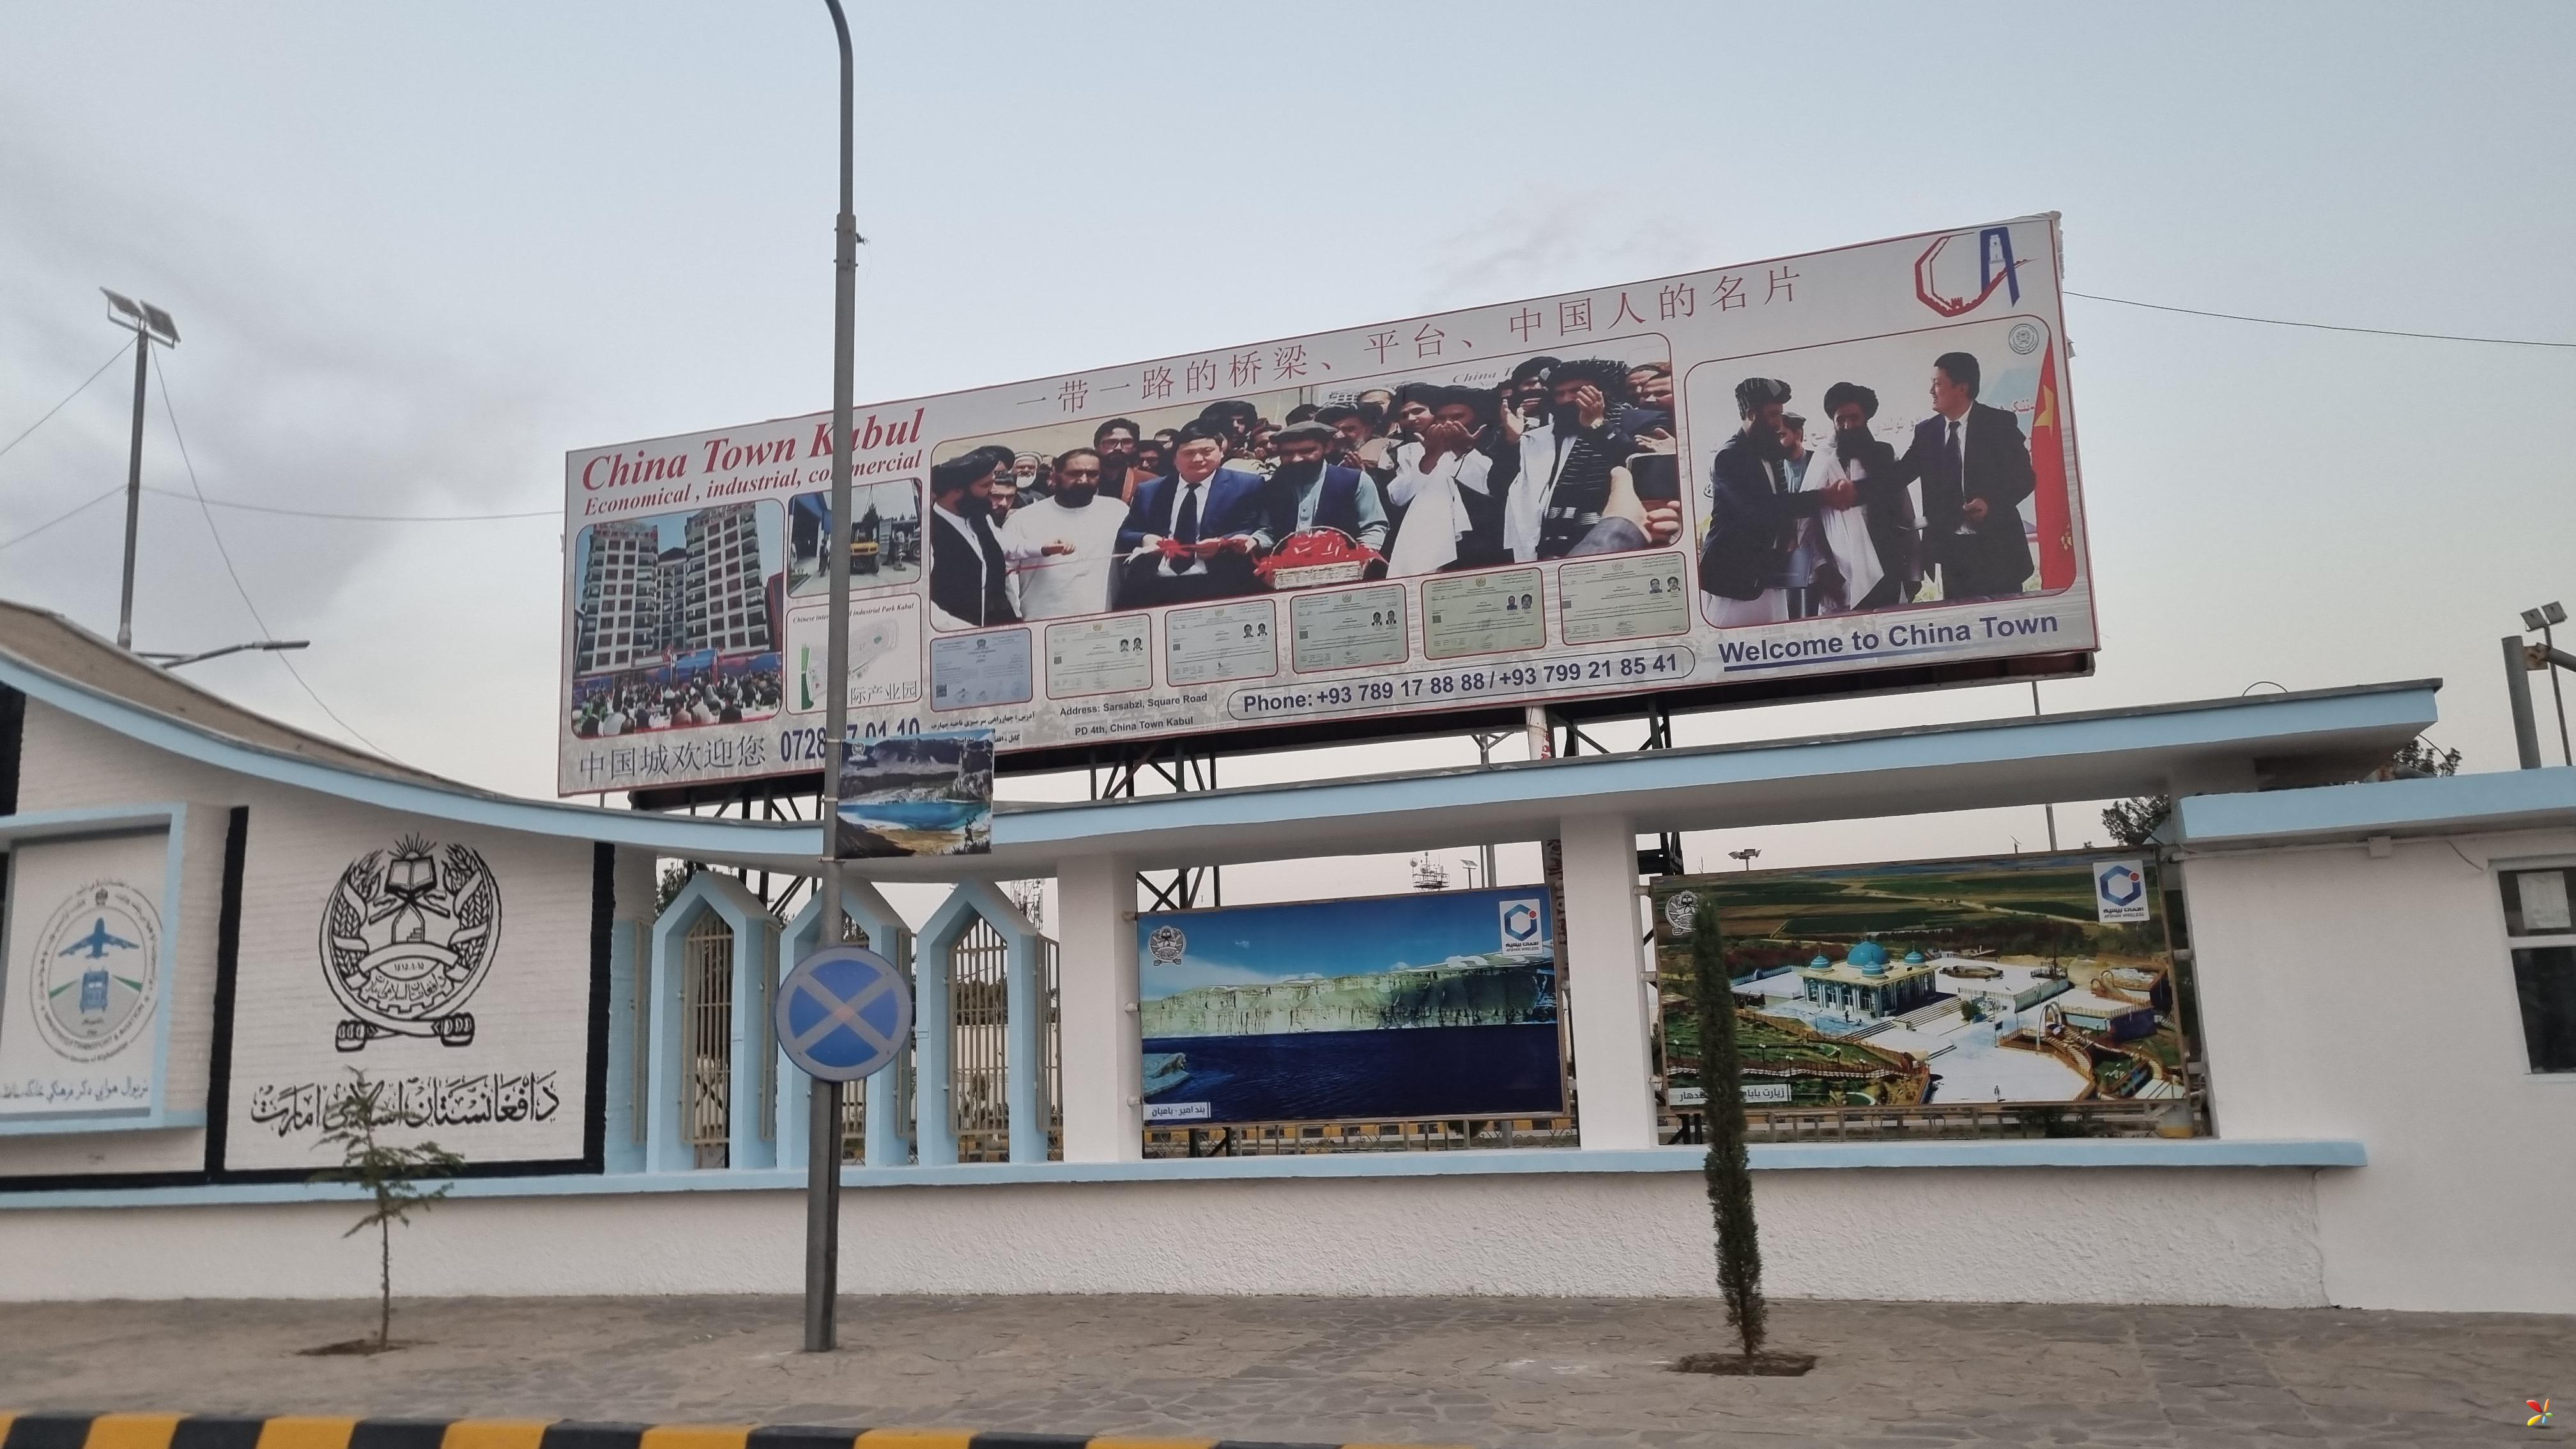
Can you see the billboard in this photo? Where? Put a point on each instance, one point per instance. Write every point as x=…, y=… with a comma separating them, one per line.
x=1841, y=470
x=2017, y=979
x=1423, y=1006
x=917, y=795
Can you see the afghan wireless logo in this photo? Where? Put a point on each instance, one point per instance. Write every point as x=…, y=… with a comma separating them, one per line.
x=2539, y=1413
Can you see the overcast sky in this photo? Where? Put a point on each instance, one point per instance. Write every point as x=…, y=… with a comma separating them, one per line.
x=419, y=252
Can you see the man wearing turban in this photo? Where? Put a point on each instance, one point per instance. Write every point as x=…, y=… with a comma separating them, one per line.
x=1755, y=512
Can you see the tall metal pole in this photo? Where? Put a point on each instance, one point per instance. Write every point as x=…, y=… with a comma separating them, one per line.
x=2517, y=689
x=133, y=491
x=2549, y=641
x=823, y=1131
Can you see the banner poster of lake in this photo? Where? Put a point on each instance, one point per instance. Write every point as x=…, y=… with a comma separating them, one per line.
x=1439, y=1004
x=925, y=794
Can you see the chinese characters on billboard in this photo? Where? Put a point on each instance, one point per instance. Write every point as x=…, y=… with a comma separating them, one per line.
x=1826, y=465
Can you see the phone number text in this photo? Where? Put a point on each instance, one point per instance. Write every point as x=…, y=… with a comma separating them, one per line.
x=1543, y=675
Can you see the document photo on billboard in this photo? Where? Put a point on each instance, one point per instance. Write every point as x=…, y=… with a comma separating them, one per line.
x=1432, y=1005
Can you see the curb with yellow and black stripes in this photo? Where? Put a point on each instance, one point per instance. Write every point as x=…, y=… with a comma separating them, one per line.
x=231, y=1431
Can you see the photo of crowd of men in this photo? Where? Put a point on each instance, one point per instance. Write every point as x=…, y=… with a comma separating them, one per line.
x=696, y=689
x=1561, y=457
x=1810, y=519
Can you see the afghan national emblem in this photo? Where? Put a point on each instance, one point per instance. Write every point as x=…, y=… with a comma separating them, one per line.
x=1166, y=944
x=1680, y=909
x=406, y=938
x=96, y=970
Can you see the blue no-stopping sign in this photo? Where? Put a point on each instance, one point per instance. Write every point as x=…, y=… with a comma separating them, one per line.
x=843, y=1013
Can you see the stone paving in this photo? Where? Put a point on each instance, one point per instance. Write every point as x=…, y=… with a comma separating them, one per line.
x=1501, y=1373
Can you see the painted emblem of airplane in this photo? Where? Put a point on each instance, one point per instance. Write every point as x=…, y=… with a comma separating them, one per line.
x=96, y=942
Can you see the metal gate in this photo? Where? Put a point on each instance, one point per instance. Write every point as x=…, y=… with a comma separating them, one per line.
x=706, y=1039
x=978, y=1044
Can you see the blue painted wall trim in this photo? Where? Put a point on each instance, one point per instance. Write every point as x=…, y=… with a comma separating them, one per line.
x=2306, y=1154
x=2499, y=800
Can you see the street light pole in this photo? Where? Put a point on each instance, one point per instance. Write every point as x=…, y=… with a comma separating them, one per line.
x=133, y=491
x=149, y=324
x=823, y=1127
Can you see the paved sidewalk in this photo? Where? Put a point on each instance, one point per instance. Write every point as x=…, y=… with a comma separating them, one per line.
x=1501, y=1373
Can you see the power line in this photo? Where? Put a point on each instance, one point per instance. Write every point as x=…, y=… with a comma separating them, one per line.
x=355, y=517
x=67, y=399
x=2322, y=326
x=163, y=377
x=61, y=518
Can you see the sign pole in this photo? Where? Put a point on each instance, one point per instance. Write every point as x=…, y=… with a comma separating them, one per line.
x=823, y=1130
x=1541, y=733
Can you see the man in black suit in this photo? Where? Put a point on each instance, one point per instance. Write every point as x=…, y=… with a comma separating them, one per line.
x=1755, y=512
x=968, y=573
x=1975, y=467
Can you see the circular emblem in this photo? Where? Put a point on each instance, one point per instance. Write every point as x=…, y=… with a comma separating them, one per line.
x=407, y=936
x=96, y=970
x=2023, y=339
x=1680, y=909
x=1166, y=944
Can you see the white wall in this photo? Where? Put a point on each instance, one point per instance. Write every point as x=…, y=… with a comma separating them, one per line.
x=2345, y=996
x=531, y=1010
x=2143, y=1235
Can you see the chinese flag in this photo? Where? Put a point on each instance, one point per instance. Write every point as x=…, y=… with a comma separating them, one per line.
x=2048, y=474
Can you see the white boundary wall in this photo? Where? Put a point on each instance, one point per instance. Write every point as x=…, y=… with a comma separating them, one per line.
x=2349, y=996
x=2199, y=1235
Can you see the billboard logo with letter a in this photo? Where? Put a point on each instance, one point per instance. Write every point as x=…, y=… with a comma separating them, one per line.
x=1941, y=273
x=1521, y=923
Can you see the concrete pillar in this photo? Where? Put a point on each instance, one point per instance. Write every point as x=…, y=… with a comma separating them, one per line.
x=934, y=1133
x=1096, y=978
x=886, y=1146
x=1024, y=1050
x=1612, y=1058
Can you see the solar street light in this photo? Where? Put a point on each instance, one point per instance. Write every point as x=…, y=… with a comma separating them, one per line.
x=2541, y=619
x=149, y=324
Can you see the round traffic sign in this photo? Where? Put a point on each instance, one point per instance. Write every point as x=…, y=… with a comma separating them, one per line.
x=843, y=1013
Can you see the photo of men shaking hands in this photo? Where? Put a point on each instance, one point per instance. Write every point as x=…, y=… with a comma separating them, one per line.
x=1805, y=521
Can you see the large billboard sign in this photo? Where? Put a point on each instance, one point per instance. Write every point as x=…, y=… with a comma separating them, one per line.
x=1422, y=1006
x=1837, y=470
x=2037, y=980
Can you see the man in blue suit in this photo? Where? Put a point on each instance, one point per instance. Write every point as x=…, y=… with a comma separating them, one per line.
x=1308, y=492
x=1199, y=527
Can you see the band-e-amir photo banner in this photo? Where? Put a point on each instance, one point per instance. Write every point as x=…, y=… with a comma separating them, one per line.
x=1434, y=1005
x=2018, y=979
x=1840, y=463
